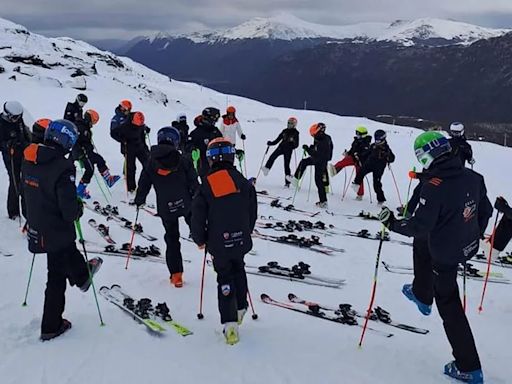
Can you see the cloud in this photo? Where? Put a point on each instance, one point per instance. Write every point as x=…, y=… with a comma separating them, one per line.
x=96, y=19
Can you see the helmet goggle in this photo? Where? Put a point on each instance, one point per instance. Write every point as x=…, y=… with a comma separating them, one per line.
x=11, y=117
x=216, y=151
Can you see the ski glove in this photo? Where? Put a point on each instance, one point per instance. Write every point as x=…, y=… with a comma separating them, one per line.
x=386, y=217
x=196, y=154
x=502, y=206
x=243, y=137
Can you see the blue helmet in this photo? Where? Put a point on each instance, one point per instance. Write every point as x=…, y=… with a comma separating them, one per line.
x=63, y=133
x=169, y=135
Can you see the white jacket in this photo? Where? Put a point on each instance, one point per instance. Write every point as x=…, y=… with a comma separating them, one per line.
x=230, y=129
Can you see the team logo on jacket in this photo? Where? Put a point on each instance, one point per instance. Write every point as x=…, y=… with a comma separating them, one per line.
x=469, y=211
x=226, y=235
x=225, y=289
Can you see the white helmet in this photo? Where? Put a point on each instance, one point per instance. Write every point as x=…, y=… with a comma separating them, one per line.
x=13, y=110
x=181, y=117
x=457, y=129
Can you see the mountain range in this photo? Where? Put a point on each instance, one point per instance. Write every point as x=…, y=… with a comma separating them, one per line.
x=436, y=69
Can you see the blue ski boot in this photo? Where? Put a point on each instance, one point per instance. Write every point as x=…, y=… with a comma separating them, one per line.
x=473, y=377
x=110, y=180
x=82, y=191
x=423, y=308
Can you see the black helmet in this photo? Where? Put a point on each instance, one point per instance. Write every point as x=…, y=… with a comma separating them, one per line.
x=220, y=149
x=81, y=99
x=380, y=136
x=211, y=115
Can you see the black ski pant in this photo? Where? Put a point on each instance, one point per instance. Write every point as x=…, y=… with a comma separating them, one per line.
x=439, y=282
x=320, y=175
x=89, y=160
x=12, y=160
x=231, y=286
x=173, y=256
x=131, y=156
x=503, y=234
x=287, y=157
x=377, y=177
x=65, y=264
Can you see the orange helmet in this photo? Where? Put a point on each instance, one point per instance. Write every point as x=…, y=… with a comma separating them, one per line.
x=126, y=105
x=230, y=109
x=43, y=123
x=93, y=115
x=138, y=119
x=316, y=128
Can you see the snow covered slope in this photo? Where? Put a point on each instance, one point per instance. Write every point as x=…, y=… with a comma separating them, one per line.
x=289, y=27
x=280, y=347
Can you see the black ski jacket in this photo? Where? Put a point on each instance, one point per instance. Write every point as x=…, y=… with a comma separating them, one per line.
x=379, y=156
x=360, y=148
x=50, y=196
x=224, y=212
x=84, y=143
x=182, y=128
x=199, y=139
x=133, y=137
x=288, y=139
x=74, y=113
x=322, y=148
x=453, y=212
x=13, y=136
x=174, y=178
x=461, y=148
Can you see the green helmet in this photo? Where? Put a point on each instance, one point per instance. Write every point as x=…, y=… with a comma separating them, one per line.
x=361, y=131
x=430, y=146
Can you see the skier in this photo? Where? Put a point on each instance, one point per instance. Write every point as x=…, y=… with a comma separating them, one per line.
x=379, y=156
x=181, y=125
x=74, y=110
x=320, y=153
x=199, y=138
x=230, y=128
x=85, y=152
x=52, y=208
x=355, y=156
x=175, y=181
x=122, y=115
x=130, y=131
x=453, y=213
x=38, y=130
x=224, y=213
x=14, y=137
x=288, y=141
x=460, y=145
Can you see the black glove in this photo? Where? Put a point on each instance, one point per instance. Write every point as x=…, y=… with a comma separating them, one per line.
x=305, y=147
x=269, y=143
x=147, y=130
x=243, y=137
x=501, y=205
x=386, y=217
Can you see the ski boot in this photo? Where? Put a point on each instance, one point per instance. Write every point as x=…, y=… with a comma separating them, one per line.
x=110, y=180
x=423, y=308
x=472, y=377
x=177, y=279
x=359, y=197
x=322, y=204
x=65, y=326
x=231, y=333
x=293, y=181
x=93, y=267
x=240, y=314
x=355, y=187
x=82, y=192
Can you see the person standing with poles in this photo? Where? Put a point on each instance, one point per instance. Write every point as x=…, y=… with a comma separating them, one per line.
x=224, y=213
x=230, y=128
x=14, y=138
x=181, y=125
x=85, y=153
x=74, y=110
x=453, y=214
x=175, y=181
x=52, y=208
x=288, y=141
x=460, y=145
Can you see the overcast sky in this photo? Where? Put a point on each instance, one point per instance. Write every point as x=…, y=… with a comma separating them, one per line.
x=124, y=19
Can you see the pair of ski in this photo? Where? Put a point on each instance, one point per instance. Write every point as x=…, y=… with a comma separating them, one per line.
x=501, y=261
x=365, y=234
x=343, y=314
x=293, y=226
x=471, y=273
x=148, y=208
x=290, y=208
x=267, y=195
x=365, y=215
x=151, y=253
x=313, y=244
x=156, y=319
x=102, y=230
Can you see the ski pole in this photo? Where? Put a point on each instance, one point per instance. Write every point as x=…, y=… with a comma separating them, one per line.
x=396, y=185
x=245, y=159
x=16, y=189
x=262, y=161
x=125, y=170
x=29, y=279
x=200, y=315
x=82, y=241
x=344, y=181
x=348, y=185
x=489, y=262
x=254, y=314
x=374, y=287
x=309, y=188
x=130, y=247
x=369, y=189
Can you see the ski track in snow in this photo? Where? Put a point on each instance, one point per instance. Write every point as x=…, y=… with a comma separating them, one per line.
x=280, y=347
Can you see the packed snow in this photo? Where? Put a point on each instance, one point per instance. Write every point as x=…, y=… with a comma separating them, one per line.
x=288, y=27
x=279, y=347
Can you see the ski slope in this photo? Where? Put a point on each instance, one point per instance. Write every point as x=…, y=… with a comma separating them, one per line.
x=281, y=346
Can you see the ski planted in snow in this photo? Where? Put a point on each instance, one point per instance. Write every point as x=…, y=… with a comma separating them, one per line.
x=378, y=314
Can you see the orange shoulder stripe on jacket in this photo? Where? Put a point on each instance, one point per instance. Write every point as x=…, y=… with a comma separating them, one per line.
x=30, y=153
x=222, y=184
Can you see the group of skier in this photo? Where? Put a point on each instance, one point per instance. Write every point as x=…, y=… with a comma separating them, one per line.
x=447, y=214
